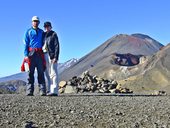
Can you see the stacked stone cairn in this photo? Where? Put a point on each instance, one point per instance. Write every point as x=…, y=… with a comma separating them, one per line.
x=91, y=84
x=159, y=93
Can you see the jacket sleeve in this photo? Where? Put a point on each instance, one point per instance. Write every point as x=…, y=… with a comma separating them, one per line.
x=26, y=43
x=56, y=45
x=43, y=38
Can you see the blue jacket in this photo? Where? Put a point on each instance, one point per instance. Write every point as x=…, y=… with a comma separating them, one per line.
x=33, y=38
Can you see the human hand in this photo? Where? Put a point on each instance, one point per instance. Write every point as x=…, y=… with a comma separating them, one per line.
x=54, y=60
x=26, y=58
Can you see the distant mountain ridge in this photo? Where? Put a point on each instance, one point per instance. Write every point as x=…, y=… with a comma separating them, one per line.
x=67, y=64
x=16, y=83
x=19, y=76
x=23, y=75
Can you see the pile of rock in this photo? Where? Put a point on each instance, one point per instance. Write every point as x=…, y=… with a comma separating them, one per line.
x=159, y=93
x=92, y=84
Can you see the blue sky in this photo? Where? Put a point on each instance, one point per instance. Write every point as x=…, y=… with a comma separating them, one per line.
x=82, y=25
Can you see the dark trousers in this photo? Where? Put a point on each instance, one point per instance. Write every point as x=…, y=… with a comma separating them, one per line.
x=36, y=62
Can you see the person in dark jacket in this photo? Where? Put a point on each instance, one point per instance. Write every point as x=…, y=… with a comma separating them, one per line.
x=33, y=42
x=51, y=52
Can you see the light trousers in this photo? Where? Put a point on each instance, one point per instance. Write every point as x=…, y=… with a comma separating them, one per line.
x=51, y=74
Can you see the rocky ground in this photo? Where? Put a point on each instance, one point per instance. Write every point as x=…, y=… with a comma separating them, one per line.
x=84, y=111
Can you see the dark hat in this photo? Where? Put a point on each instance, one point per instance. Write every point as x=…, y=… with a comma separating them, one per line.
x=46, y=24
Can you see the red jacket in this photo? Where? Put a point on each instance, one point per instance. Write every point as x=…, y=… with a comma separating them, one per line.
x=23, y=66
x=29, y=61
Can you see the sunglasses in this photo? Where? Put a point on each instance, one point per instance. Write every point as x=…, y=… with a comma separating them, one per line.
x=35, y=21
x=46, y=26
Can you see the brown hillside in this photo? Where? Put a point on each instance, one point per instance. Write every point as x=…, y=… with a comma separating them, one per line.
x=101, y=61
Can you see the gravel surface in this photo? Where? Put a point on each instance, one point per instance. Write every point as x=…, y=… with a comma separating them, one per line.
x=84, y=111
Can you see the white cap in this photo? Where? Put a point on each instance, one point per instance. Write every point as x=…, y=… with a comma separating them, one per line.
x=35, y=18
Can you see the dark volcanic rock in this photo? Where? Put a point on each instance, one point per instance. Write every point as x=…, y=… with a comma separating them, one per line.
x=90, y=84
x=126, y=59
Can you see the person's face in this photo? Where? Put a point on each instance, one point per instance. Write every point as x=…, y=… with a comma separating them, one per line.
x=35, y=23
x=47, y=28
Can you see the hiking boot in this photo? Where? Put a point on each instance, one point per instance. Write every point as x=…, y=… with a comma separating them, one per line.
x=29, y=90
x=29, y=94
x=42, y=89
x=52, y=94
x=42, y=93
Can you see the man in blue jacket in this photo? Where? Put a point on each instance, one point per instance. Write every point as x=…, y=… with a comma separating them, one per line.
x=33, y=42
